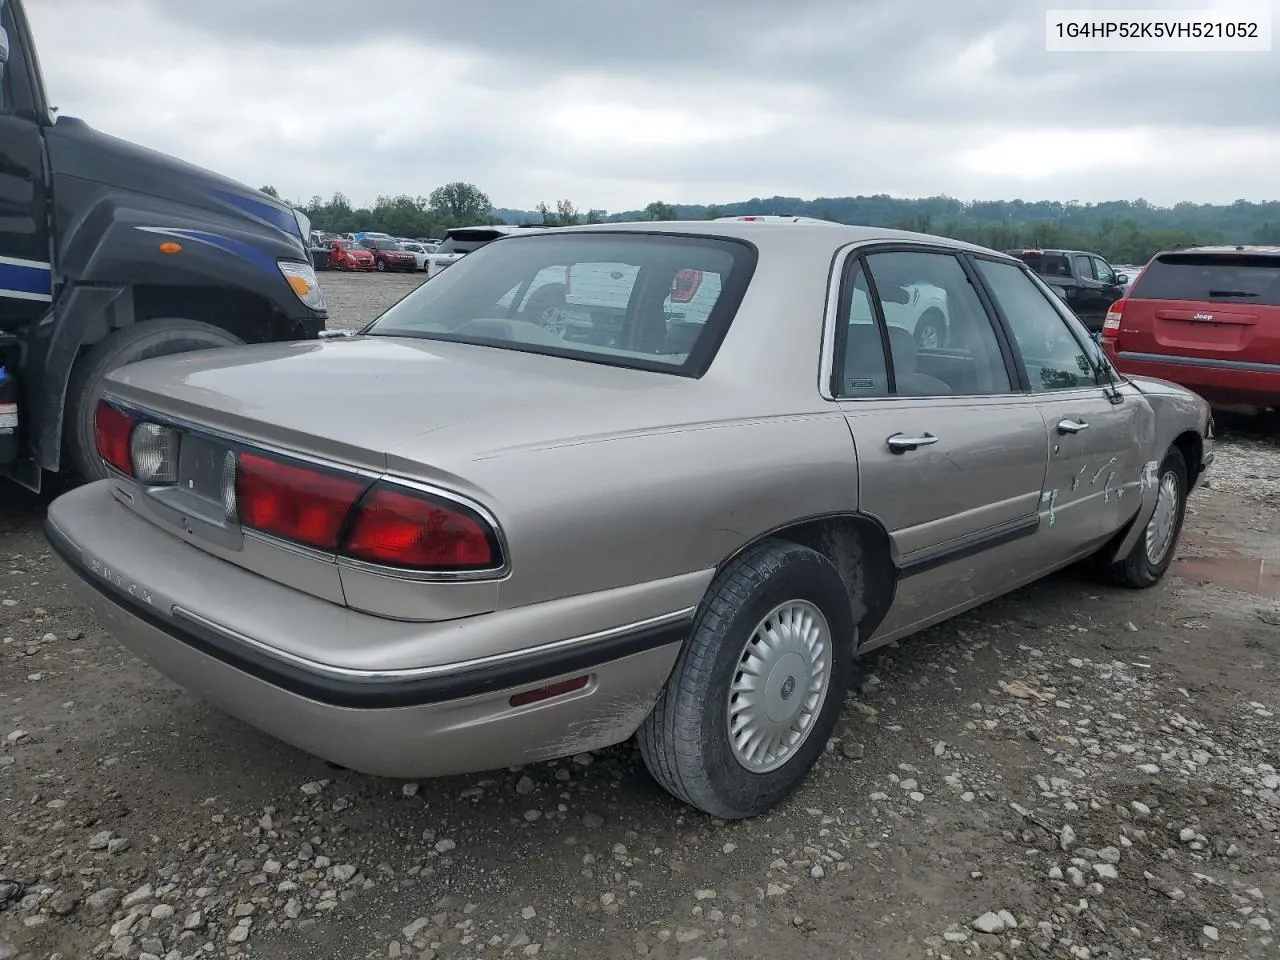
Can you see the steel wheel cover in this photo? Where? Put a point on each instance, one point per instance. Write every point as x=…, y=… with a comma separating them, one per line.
x=779, y=686
x=1161, y=525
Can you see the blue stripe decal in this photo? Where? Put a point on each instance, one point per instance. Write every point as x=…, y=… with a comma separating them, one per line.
x=263, y=210
x=235, y=247
x=24, y=279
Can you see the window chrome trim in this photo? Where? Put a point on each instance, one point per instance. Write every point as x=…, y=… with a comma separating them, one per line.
x=831, y=313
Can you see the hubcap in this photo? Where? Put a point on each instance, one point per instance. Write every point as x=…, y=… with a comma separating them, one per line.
x=780, y=686
x=1160, y=527
x=929, y=337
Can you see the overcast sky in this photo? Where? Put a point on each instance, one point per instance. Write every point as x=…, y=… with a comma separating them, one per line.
x=615, y=104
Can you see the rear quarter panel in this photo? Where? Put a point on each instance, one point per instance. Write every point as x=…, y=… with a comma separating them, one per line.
x=630, y=508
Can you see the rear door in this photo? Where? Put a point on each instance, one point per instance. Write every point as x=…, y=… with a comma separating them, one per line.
x=26, y=283
x=1090, y=429
x=1207, y=307
x=951, y=457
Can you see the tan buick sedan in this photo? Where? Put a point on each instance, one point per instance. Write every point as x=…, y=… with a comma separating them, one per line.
x=664, y=480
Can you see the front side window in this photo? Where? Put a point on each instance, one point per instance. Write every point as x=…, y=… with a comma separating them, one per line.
x=1052, y=355
x=623, y=299
x=1102, y=270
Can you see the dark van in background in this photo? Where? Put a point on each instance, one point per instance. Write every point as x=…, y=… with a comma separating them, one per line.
x=111, y=253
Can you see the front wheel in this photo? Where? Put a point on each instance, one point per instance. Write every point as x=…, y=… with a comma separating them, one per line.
x=151, y=338
x=759, y=685
x=1152, y=555
x=381, y=266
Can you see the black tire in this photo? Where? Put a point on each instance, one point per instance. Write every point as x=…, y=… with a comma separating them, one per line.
x=1138, y=570
x=546, y=297
x=685, y=739
x=931, y=329
x=151, y=338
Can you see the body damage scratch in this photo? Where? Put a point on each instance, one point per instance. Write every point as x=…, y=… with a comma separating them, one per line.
x=1101, y=469
x=1075, y=481
x=1050, y=497
x=618, y=720
x=1149, y=470
x=1106, y=488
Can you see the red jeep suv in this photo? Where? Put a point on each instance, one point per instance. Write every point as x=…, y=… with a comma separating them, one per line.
x=1207, y=318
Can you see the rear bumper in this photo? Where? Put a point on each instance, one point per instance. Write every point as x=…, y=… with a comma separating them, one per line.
x=407, y=722
x=1218, y=381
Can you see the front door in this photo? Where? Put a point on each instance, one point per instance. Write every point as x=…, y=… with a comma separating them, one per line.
x=951, y=457
x=25, y=275
x=1089, y=460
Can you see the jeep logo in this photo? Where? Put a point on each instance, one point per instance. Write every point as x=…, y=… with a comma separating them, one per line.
x=1203, y=316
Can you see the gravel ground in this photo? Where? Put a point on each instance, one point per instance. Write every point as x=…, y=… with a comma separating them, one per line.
x=1071, y=771
x=356, y=298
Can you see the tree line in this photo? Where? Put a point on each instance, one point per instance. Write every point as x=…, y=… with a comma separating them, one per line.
x=1122, y=231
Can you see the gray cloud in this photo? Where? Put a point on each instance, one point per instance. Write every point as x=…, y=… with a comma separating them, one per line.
x=615, y=105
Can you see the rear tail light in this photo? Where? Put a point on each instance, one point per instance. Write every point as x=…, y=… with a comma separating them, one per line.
x=297, y=503
x=154, y=450
x=1114, y=313
x=685, y=284
x=112, y=430
x=403, y=528
x=380, y=522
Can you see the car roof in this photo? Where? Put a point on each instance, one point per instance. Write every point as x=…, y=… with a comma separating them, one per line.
x=1254, y=248
x=1056, y=250
x=816, y=237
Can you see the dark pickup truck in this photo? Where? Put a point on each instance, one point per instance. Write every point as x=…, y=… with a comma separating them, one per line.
x=1089, y=284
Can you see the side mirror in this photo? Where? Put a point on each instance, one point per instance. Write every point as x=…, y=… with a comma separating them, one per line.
x=1122, y=278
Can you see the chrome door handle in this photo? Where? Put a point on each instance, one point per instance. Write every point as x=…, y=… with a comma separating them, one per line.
x=1067, y=425
x=901, y=443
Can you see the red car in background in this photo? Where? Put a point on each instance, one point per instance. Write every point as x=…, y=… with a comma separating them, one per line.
x=1207, y=318
x=389, y=255
x=349, y=255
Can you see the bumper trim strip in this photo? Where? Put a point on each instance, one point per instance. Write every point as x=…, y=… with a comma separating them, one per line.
x=388, y=689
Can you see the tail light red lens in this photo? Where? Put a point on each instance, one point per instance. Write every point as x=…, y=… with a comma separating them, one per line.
x=1111, y=325
x=294, y=502
x=685, y=285
x=404, y=528
x=112, y=429
x=382, y=523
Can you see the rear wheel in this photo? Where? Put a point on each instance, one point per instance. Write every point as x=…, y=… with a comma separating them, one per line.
x=931, y=330
x=1152, y=555
x=151, y=338
x=759, y=685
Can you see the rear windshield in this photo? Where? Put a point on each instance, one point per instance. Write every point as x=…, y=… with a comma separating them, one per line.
x=1046, y=264
x=1217, y=278
x=465, y=241
x=648, y=301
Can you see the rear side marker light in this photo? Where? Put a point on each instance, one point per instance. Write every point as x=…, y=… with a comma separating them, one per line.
x=112, y=431
x=548, y=692
x=154, y=451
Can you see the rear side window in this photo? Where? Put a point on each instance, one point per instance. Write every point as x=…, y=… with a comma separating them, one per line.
x=648, y=301
x=1047, y=264
x=1216, y=278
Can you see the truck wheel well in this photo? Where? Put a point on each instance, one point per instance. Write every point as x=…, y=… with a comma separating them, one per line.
x=1191, y=445
x=246, y=315
x=859, y=547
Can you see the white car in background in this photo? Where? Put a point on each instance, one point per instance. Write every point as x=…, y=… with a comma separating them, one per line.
x=918, y=307
x=419, y=252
